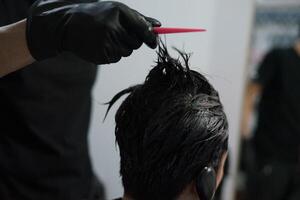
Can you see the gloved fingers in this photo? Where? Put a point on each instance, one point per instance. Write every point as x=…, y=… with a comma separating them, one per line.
x=129, y=38
x=114, y=59
x=127, y=53
x=109, y=55
x=146, y=34
x=133, y=21
x=154, y=22
x=114, y=49
x=122, y=48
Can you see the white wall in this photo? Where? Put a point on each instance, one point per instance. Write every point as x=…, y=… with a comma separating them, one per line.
x=227, y=67
x=216, y=53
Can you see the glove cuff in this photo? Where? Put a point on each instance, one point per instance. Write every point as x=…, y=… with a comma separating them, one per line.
x=44, y=30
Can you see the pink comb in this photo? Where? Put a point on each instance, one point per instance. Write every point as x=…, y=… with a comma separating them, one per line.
x=168, y=30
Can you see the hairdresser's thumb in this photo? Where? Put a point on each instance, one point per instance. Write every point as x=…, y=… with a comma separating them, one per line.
x=153, y=22
x=152, y=38
x=145, y=31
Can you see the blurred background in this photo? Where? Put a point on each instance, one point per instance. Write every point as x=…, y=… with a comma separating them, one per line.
x=239, y=34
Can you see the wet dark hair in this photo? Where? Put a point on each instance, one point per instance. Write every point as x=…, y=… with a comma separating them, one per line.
x=168, y=129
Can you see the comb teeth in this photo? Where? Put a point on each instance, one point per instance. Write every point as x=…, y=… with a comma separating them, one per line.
x=169, y=30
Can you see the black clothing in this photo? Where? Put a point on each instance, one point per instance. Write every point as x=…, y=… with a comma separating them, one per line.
x=277, y=135
x=44, y=119
x=274, y=181
x=273, y=158
x=13, y=10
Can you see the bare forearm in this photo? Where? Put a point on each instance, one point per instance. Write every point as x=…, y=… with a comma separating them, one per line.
x=252, y=91
x=14, y=53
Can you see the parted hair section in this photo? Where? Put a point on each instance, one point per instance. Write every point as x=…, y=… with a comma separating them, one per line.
x=168, y=129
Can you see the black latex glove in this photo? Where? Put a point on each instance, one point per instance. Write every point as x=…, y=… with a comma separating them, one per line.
x=100, y=32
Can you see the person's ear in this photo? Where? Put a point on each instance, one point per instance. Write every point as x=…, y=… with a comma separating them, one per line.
x=206, y=183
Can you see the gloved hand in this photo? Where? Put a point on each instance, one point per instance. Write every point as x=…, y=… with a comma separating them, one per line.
x=100, y=32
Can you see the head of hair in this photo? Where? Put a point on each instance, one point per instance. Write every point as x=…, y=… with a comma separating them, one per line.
x=168, y=129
